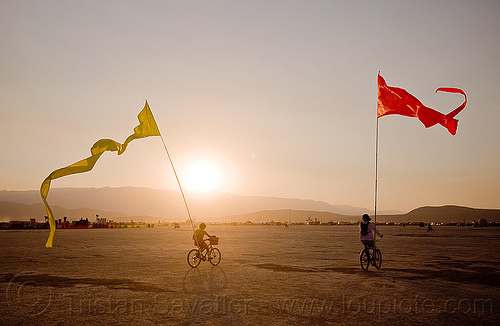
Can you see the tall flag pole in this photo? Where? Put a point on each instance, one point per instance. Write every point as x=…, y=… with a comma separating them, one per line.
x=394, y=100
x=148, y=127
x=376, y=174
x=179, y=183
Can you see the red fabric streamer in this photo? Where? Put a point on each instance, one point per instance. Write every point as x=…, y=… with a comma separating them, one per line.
x=394, y=100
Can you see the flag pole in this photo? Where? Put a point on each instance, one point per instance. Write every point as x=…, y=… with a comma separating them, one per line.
x=172, y=164
x=376, y=172
x=178, y=182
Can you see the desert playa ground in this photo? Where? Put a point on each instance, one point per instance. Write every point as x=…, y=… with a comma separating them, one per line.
x=269, y=275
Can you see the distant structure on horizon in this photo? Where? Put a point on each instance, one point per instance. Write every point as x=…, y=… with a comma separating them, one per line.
x=64, y=223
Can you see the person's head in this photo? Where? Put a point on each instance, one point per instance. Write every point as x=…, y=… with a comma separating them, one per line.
x=202, y=226
x=366, y=218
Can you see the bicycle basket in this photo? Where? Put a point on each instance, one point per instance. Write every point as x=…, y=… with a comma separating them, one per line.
x=214, y=240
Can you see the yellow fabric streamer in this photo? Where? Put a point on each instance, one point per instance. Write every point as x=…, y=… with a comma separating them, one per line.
x=147, y=127
x=79, y=167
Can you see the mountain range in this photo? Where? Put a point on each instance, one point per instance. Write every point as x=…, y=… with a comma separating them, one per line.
x=150, y=205
x=168, y=204
x=443, y=214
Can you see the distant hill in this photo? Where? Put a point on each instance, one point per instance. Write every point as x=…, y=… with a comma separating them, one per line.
x=290, y=215
x=169, y=204
x=444, y=214
x=149, y=205
x=452, y=214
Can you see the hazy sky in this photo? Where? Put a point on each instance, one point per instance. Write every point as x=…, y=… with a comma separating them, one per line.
x=278, y=96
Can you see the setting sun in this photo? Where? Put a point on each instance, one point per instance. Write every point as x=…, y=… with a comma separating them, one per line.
x=202, y=176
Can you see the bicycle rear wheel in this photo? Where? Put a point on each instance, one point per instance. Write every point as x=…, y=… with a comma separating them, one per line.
x=364, y=259
x=193, y=258
x=215, y=256
x=377, y=258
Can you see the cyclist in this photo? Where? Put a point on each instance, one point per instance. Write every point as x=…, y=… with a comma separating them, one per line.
x=198, y=238
x=366, y=232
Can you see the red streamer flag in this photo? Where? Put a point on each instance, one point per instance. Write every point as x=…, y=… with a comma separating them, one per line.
x=394, y=100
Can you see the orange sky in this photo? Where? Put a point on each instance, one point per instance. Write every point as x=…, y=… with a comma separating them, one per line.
x=279, y=97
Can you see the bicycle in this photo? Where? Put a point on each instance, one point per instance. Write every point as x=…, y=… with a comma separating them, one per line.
x=196, y=256
x=370, y=255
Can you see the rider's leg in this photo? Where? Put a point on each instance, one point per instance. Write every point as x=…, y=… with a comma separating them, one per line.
x=204, y=247
x=369, y=247
x=372, y=249
x=208, y=253
x=368, y=244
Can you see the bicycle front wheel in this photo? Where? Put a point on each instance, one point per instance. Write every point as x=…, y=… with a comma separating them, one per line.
x=215, y=257
x=377, y=258
x=364, y=259
x=193, y=258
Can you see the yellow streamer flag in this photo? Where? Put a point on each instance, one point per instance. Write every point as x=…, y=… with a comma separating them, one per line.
x=147, y=127
x=79, y=167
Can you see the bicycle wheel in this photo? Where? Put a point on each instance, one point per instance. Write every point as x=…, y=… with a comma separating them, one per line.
x=215, y=255
x=377, y=258
x=193, y=258
x=364, y=259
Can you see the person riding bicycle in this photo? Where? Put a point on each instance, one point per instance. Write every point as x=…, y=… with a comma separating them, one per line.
x=198, y=238
x=366, y=232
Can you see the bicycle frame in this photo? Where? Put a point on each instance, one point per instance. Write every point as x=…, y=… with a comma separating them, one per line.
x=210, y=249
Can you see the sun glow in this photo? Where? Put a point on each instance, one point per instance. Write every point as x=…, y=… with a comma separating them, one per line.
x=202, y=176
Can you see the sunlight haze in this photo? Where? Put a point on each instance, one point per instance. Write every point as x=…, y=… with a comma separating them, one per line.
x=267, y=98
